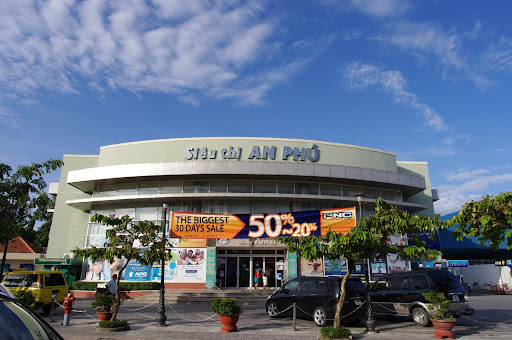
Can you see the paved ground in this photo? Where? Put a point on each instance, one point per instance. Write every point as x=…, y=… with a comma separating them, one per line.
x=493, y=320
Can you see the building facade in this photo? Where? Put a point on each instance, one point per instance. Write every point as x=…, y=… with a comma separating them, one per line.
x=227, y=176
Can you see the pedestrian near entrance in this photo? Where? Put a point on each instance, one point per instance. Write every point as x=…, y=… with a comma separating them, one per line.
x=265, y=280
x=111, y=285
x=257, y=277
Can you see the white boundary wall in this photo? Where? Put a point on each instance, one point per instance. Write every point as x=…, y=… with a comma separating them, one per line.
x=486, y=273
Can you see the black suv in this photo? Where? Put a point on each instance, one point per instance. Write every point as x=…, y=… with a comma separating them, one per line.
x=316, y=297
x=403, y=294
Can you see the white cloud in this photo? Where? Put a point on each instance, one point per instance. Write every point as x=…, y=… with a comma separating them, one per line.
x=429, y=41
x=457, y=139
x=503, y=149
x=358, y=75
x=381, y=8
x=9, y=118
x=191, y=49
x=472, y=185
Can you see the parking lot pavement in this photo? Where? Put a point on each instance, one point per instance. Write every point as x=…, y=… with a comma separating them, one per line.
x=493, y=320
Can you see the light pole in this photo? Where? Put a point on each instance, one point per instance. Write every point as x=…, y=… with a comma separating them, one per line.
x=160, y=320
x=370, y=321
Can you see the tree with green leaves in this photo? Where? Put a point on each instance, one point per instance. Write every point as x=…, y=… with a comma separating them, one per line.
x=369, y=238
x=19, y=194
x=489, y=220
x=140, y=241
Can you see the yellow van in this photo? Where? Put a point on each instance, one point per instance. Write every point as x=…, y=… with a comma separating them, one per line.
x=42, y=285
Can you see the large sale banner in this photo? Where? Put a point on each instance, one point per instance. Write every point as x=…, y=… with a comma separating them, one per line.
x=214, y=226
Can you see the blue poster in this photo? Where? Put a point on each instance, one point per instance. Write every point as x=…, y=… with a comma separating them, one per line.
x=137, y=272
x=335, y=267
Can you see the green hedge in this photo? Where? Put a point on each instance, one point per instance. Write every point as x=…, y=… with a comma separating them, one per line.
x=113, y=324
x=124, y=286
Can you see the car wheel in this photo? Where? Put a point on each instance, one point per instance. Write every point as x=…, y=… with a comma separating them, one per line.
x=320, y=316
x=420, y=316
x=272, y=309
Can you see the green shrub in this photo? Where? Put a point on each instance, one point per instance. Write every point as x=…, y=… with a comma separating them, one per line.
x=123, y=286
x=113, y=324
x=25, y=296
x=330, y=332
x=440, y=305
x=224, y=306
x=104, y=302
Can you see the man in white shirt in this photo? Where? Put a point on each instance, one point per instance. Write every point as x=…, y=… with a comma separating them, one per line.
x=111, y=285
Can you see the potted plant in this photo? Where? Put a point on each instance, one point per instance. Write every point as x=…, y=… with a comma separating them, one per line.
x=103, y=304
x=228, y=312
x=441, y=317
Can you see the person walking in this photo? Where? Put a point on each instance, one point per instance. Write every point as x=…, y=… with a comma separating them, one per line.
x=265, y=280
x=257, y=277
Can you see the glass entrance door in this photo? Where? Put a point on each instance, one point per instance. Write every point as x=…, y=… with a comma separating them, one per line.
x=270, y=270
x=231, y=272
x=244, y=270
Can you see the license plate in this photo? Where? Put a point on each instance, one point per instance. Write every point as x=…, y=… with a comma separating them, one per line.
x=456, y=298
x=357, y=302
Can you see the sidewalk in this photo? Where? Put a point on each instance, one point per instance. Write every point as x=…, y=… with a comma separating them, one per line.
x=197, y=322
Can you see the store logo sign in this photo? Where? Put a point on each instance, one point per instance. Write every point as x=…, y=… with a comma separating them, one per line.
x=287, y=153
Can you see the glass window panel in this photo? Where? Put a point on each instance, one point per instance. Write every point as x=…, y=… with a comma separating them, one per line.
x=399, y=194
x=350, y=191
x=371, y=192
x=218, y=207
x=388, y=195
x=171, y=187
x=284, y=207
x=285, y=187
x=107, y=191
x=127, y=189
x=197, y=206
x=218, y=186
x=240, y=186
x=125, y=211
x=148, y=189
x=239, y=207
x=264, y=187
x=196, y=186
x=264, y=207
x=150, y=213
x=330, y=189
x=303, y=188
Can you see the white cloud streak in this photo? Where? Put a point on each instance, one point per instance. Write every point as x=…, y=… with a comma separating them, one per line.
x=429, y=41
x=471, y=185
x=188, y=48
x=381, y=8
x=358, y=76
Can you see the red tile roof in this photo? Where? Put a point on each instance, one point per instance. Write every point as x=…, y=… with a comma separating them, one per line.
x=19, y=245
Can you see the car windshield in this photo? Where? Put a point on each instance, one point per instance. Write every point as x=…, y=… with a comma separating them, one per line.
x=446, y=282
x=18, y=323
x=13, y=280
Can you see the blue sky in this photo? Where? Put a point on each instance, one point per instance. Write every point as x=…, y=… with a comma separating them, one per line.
x=428, y=80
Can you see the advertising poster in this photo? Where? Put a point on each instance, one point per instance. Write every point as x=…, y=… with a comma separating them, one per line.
x=191, y=264
x=292, y=265
x=186, y=225
x=396, y=264
x=170, y=269
x=335, y=267
x=211, y=272
x=102, y=270
x=359, y=269
x=137, y=272
x=378, y=267
x=311, y=268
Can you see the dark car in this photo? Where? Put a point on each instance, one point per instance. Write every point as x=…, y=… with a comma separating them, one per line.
x=403, y=294
x=316, y=297
x=19, y=321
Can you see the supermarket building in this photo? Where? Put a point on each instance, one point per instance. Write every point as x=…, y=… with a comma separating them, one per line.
x=229, y=175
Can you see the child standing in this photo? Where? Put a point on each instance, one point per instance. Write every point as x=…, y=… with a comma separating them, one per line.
x=265, y=280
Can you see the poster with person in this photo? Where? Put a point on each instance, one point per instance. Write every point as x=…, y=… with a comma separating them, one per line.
x=396, y=264
x=102, y=270
x=191, y=264
x=311, y=268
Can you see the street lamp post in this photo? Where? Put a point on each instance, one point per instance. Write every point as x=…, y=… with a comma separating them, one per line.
x=160, y=321
x=370, y=321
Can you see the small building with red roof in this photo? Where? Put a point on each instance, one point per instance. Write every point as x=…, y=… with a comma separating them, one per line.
x=20, y=255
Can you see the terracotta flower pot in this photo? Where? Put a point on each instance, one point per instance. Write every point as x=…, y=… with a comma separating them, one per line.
x=444, y=328
x=228, y=322
x=104, y=316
